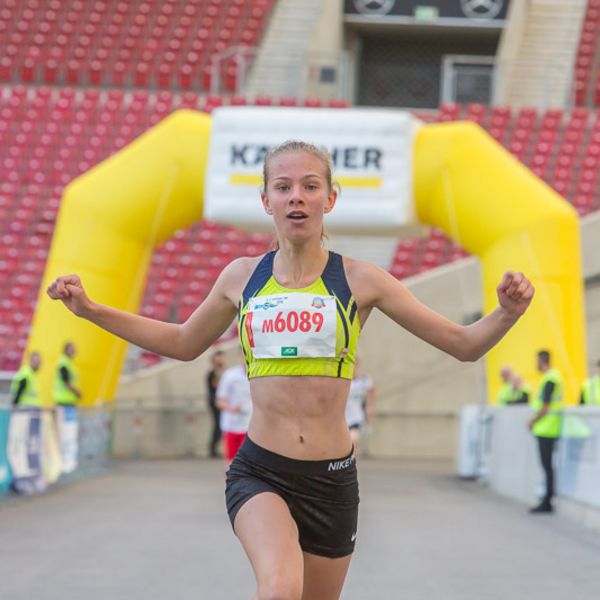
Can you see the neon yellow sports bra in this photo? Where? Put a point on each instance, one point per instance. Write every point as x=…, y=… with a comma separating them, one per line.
x=308, y=331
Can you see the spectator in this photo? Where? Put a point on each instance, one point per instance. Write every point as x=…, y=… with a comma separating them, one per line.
x=521, y=390
x=506, y=390
x=212, y=382
x=545, y=424
x=590, y=393
x=360, y=406
x=66, y=380
x=24, y=387
x=235, y=403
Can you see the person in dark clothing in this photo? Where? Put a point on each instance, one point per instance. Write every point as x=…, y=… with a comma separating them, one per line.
x=212, y=382
x=546, y=422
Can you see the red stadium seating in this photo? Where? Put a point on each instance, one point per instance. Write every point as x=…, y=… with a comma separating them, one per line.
x=586, y=83
x=50, y=135
x=563, y=149
x=129, y=42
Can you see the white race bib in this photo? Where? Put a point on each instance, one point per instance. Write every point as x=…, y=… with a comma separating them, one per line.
x=293, y=325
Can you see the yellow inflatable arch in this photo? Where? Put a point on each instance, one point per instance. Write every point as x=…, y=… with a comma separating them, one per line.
x=113, y=217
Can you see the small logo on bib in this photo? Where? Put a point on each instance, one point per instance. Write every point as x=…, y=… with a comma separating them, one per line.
x=318, y=302
x=269, y=304
x=289, y=351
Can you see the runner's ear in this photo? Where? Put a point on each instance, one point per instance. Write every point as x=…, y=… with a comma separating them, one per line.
x=266, y=204
x=331, y=200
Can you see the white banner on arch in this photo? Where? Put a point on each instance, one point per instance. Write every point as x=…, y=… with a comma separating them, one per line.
x=372, y=152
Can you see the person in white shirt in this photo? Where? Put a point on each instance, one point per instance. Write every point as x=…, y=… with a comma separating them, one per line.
x=360, y=406
x=235, y=403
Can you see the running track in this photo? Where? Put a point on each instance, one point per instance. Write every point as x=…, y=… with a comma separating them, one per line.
x=158, y=531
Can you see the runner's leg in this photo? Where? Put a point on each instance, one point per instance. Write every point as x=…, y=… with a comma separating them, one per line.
x=270, y=538
x=324, y=577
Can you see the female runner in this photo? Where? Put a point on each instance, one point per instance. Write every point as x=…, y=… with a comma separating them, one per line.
x=292, y=491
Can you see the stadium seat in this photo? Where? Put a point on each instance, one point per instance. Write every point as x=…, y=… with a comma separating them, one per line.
x=98, y=46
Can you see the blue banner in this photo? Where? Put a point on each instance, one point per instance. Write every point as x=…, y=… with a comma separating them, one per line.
x=5, y=470
x=25, y=450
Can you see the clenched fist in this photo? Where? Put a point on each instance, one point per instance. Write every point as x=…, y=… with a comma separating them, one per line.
x=69, y=289
x=515, y=293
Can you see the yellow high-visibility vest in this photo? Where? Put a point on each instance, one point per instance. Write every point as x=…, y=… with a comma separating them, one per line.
x=30, y=395
x=62, y=394
x=591, y=391
x=549, y=425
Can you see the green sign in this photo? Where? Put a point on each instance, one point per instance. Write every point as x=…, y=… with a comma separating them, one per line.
x=425, y=13
x=289, y=351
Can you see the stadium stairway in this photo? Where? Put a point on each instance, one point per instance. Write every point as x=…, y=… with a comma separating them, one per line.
x=587, y=64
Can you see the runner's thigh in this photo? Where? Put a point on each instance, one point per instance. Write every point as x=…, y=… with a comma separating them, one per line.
x=270, y=538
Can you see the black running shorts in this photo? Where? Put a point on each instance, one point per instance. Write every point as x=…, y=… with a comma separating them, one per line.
x=322, y=495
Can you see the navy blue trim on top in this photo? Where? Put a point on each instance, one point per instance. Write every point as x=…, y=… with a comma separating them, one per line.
x=334, y=278
x=259, y=277
x=353, y=312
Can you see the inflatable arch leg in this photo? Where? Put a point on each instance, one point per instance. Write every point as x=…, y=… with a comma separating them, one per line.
x=110, y=220
x=468, y=185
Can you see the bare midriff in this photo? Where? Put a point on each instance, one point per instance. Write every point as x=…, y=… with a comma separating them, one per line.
x=300, y=417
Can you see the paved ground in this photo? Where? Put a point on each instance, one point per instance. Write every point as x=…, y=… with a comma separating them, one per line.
x=158, y=530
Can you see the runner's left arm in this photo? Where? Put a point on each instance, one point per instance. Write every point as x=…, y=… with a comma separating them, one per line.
x=464, y=342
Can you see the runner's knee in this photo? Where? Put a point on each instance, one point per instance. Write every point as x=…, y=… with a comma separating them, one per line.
x=281, y=586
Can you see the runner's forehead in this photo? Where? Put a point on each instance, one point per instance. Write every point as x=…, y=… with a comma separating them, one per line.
x=296, y=164
x=304, y=177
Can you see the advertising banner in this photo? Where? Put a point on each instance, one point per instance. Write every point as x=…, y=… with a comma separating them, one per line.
x=5, y=472
x=371, y=151
x=51, y=459
x=68, y=436
x=24, y=451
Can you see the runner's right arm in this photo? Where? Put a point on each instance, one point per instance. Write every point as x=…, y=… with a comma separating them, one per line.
x=183, y=341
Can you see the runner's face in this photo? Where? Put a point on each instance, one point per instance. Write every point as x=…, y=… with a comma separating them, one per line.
x=298, y=195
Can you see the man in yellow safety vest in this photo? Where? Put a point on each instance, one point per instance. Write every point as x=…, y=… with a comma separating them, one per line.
x=66, y=379
x=590, y=393
x=546, y=423
x=24, y=387
x=505, y=393
x=521, y=390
